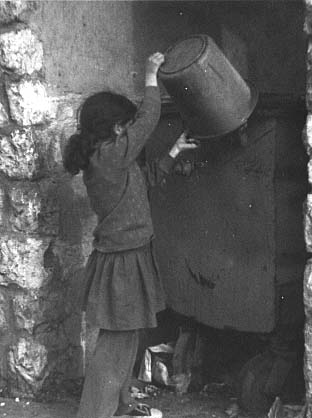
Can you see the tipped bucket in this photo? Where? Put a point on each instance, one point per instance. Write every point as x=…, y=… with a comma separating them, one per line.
x=212, y=97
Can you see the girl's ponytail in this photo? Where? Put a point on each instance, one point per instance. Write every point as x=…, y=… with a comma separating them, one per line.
x=77, y=153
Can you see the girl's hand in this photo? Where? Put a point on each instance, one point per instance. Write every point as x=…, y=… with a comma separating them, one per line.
x=154, y=62
x=152, y=66
x=183, y=143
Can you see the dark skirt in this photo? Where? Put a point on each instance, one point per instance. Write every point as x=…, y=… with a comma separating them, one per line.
x=123, y=289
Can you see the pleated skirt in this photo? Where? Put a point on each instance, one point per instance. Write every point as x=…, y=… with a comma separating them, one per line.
x=123, y=290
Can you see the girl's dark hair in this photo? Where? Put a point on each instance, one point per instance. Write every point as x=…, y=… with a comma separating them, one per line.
x=97, y=118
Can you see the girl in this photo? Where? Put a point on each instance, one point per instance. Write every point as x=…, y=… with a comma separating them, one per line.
x=123, y=290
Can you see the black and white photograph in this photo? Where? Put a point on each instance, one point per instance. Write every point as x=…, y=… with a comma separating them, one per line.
x=155, y=208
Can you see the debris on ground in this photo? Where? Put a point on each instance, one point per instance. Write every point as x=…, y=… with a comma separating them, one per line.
x=180, y=383
x=144, y=392
x=233, y=410
x=154, y=364
x=136, y=393
x=213, y=387
x=278, y=410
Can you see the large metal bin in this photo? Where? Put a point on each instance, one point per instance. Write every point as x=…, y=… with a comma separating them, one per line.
x=210, y=94
x=229, y=237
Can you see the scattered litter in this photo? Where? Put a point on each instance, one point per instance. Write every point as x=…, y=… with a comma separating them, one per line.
x=232, y=410
x=278, y=410
x=137, y=393
x=180, y=382
x=214, y=387
x=294, y=407
x=151, y=390
x=146, y=392
x=160, y=372
x=17, y=399
x=141, y=395
x=147, y=367
x=294, y=411
x=185, y=400
x=27, y=403
x=2, y=404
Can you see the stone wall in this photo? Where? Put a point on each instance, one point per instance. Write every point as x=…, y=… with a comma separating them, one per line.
x=43, y=243
x=308, y=215
x=52, y=55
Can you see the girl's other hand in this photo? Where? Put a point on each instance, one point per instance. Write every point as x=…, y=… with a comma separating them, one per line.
x=183, y=143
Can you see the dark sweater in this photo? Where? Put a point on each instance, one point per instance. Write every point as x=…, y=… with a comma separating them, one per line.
x=116, y=185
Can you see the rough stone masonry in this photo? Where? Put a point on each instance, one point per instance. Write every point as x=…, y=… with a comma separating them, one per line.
x=43, y=242
x=308, y=216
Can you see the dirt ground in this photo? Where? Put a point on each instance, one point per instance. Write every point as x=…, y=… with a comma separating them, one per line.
x=214, y=397
x=212, y=404
x=215, y=400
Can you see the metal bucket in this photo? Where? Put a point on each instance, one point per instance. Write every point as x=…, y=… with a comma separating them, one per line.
x=210, y=94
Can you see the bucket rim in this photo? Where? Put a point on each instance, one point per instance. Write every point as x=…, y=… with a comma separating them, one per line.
x=203, y=37
x=252, y=104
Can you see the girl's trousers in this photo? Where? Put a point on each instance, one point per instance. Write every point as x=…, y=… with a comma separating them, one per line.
x=109, y=374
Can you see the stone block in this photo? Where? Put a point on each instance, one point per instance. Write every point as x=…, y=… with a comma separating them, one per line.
x=49, y=147
x=28, y=362
x=13, y=10
x=309, y=55
x=309, y=167
x=59, y=131
x=308, y=222
x=25, y=205
x=54, y=159
x=48, y=218
x=4, y=119
x=32, y=207
x=4, y=312
x=3, y=207
x=307, y=291
x=307, y=134
x=26, y=309
x=21, y=52
x=308, y=357
x=309, y=91
x=67, y=112
x=29, y=103
x=19, y=158
x=22, y=262
x=307, y=26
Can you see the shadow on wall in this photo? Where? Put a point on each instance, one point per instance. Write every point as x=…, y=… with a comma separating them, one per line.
x=159, y=24
x=263, y=41
x=66, y=257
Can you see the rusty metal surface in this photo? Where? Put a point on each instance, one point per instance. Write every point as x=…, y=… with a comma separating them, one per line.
x=215, y=231
x=211, y=95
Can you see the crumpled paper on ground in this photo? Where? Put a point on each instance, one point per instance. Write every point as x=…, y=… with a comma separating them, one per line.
x=155, y=368
x=279, y=410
